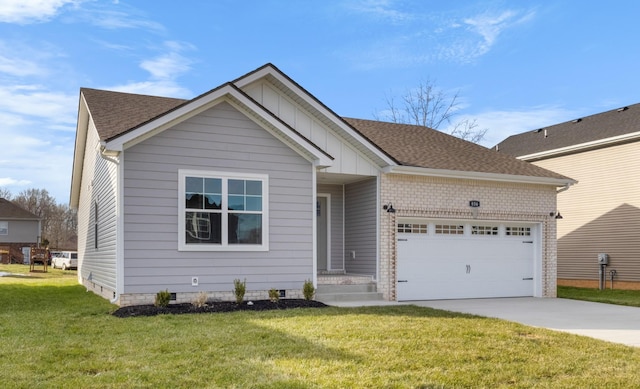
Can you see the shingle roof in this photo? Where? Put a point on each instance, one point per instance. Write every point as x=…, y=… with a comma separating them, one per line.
x=625, y=120
x=115, y=113
x=419, y=146
x=9, y=210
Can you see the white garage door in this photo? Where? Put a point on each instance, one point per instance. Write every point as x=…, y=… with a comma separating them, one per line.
x=454, y=260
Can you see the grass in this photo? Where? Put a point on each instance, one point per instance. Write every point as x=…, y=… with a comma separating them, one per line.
x=55, y=334
x=609, y=296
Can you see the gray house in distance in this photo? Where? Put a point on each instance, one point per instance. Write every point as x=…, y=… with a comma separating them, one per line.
x=258, y=180
x=18, y=228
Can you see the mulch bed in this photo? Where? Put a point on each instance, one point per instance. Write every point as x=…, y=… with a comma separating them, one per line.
x=213, y=307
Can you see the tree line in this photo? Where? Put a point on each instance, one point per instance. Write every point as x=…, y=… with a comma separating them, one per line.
x=59, y=222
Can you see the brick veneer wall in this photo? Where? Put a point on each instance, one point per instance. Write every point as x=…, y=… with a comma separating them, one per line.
x=433, y=197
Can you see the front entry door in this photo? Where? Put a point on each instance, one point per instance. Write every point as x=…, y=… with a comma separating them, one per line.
x=322, y=222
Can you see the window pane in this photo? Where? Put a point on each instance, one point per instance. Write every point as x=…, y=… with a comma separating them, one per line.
x=203, y=227
x=245, y=228
x=254, y=188
x=236, y=187
x=213, y=202
x=236, y=203
x=194, y=201
x=193, y=185
x=213, y=185
x=254, y=203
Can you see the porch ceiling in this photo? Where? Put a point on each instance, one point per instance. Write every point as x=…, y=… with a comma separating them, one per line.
x=339, y=179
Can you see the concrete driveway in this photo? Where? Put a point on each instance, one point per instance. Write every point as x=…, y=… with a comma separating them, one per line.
x=613, y=323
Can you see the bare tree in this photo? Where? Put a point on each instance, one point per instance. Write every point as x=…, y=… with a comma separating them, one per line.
x=431, y=107
x=5, y=194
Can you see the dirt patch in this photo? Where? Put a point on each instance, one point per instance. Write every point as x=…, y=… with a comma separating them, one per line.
x=213, y=307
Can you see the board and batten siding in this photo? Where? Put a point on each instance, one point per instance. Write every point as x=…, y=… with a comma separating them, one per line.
x=601, y=213
x=347, y=159
x=337, y=224
x=97, y=266
x=360, y=227
x=220, y=139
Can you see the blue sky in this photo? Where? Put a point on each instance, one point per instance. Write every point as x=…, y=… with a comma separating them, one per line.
x=517, y=65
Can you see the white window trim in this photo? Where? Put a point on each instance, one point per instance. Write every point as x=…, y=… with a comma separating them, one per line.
x=4, y=228
x=224, y=246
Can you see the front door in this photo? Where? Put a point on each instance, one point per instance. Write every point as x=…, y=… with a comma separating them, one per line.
x=322, y=224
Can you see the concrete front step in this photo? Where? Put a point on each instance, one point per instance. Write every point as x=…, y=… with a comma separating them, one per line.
x=352, y=292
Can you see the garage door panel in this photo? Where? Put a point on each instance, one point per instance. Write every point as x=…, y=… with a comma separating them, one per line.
x=455, y=266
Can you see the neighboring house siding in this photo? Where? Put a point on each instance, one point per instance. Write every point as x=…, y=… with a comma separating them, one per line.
x=337, y=224
x=347, y=159
x=601, y=213
x=429, y=198
x=97, y=266
x=360, y=227
x=21, y=231
x=220, y=139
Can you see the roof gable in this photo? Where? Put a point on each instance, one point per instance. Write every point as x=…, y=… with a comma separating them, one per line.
x=9, y=210
x=610, y=127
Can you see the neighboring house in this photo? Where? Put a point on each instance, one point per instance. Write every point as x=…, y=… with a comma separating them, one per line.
x=18, y=228
x=258, y=180
x=601, y=214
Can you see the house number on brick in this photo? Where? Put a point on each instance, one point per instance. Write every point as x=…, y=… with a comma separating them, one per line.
x=474, y=203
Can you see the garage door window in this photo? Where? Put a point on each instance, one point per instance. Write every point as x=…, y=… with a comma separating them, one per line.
x=484, y=230
x=412, y=228
x=449, y=229
x=518, y=231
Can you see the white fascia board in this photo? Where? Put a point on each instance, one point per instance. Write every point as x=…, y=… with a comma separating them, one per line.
x=419, y=171
x=78, y=153
x=226, y=93
x=582, y=146
x=268, y=70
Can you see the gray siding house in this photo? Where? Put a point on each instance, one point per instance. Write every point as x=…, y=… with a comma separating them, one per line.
x=258, y=180
x=18, y=228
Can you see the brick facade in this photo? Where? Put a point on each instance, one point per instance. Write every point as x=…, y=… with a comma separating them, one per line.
x=433, y=197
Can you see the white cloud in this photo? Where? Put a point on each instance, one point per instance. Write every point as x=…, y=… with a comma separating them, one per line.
x=163, y=69
x=502, y=124
x=380, y=9
x=31, y=11
x=490, y=26
x=36, y=101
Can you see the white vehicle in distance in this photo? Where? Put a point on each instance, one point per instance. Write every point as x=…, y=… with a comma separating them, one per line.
x=64, y=260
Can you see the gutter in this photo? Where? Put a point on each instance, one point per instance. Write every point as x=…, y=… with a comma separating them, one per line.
x=564, y=182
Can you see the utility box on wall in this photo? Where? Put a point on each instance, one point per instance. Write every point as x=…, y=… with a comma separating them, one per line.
x=603, y=259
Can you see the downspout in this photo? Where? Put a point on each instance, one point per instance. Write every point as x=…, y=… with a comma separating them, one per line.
x=113, y=160
x=565, y=187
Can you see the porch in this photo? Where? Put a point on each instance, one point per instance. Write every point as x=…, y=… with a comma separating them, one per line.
x=339, y=286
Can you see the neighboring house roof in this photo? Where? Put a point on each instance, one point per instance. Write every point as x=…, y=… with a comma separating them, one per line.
x=9, y=210
x=602, y=129
x=423, y=147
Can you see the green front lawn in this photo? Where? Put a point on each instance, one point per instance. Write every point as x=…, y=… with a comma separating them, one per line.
x=609, y=296
x=55, y=334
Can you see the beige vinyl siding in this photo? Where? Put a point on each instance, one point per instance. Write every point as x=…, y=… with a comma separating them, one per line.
x=337, y=224
x=220, y=139
x=360, y=227
x=601, y=213
x=99, y=178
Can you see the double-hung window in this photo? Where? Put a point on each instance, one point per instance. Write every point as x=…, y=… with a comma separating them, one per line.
x=223, y=211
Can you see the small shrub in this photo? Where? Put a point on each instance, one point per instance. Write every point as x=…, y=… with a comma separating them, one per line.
x=200, y=300
x=274, y=295
x=239, y=288
x=308, y=290
x=163, y=298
